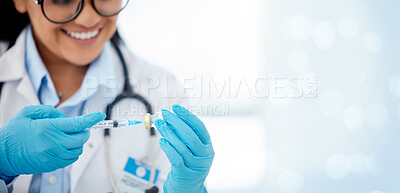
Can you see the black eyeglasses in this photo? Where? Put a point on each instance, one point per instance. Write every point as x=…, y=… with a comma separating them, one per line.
x=64, y=11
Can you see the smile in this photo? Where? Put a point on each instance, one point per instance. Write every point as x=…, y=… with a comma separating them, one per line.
x=83, y=35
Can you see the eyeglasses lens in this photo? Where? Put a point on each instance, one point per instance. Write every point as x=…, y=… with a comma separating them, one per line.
x=64, y=10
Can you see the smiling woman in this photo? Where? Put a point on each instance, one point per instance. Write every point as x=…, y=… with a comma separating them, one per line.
x=47, y=105
x=51, y=32
x=66, y=46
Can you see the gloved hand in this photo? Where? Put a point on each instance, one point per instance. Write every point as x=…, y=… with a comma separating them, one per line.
x=40, y=139
x=188, y=147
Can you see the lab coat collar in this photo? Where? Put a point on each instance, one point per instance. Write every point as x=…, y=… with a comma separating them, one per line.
x=34, y=64
x=13, y=68
x=12, y=62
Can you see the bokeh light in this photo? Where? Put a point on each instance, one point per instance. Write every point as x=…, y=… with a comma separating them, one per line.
x=354, y=117
x=331, y=103
x=325, y=35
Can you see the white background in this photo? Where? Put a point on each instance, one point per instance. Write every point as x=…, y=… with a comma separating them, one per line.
x=342, y=140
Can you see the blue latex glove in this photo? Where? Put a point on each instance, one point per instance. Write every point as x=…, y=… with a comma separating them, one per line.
x=40, y=139
x=188, y=147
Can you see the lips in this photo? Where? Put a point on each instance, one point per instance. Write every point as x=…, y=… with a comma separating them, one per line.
x=83, y=35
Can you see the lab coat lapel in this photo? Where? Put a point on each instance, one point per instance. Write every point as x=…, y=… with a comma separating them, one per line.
x=90, y=149
x=13, y=61
x=91, y=146
x=25, y=88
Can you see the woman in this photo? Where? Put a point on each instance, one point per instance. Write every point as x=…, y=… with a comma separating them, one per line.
x=63, y=65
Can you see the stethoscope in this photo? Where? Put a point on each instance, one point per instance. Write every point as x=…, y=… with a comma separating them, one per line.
x=127, y=93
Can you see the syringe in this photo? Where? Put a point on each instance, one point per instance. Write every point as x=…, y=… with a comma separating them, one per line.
x=109, y=124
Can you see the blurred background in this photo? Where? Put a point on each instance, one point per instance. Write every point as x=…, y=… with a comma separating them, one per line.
x=299, y=96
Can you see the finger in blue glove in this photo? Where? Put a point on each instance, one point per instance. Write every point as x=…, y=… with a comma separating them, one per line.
x=190, y=160
x=181, y=179
x=40, y=139
x=188, y=147
x=187, y=134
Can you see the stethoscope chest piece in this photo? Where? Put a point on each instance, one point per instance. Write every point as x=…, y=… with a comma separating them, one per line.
x=153, y=189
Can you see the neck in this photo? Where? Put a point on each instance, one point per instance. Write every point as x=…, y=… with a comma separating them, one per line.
x=67, y=77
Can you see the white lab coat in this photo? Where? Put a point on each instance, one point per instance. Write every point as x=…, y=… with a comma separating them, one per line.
x=88, y=174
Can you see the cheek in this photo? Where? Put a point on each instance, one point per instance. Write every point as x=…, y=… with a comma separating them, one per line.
x=43, y=29
x=110, y=27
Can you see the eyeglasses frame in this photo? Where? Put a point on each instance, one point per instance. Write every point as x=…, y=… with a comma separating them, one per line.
x=40, y=2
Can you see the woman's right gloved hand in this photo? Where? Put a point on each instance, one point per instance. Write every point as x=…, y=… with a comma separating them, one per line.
x=41, y=139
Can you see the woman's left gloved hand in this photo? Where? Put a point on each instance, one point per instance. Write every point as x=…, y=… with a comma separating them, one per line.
x=188, y=147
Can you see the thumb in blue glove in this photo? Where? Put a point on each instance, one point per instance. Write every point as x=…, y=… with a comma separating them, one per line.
x=188, y=147
x=41, y=139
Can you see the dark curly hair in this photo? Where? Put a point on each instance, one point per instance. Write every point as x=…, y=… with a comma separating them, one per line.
x=12, y=23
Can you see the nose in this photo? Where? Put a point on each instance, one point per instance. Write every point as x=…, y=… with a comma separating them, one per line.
x=88, y=17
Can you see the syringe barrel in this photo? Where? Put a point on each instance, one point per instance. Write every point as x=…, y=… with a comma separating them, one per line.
x=108, y=124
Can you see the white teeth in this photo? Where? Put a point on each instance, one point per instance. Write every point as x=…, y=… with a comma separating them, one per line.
x=83, y=35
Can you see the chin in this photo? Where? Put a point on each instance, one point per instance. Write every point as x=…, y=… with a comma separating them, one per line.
x=81, y=57
x=82, y=60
